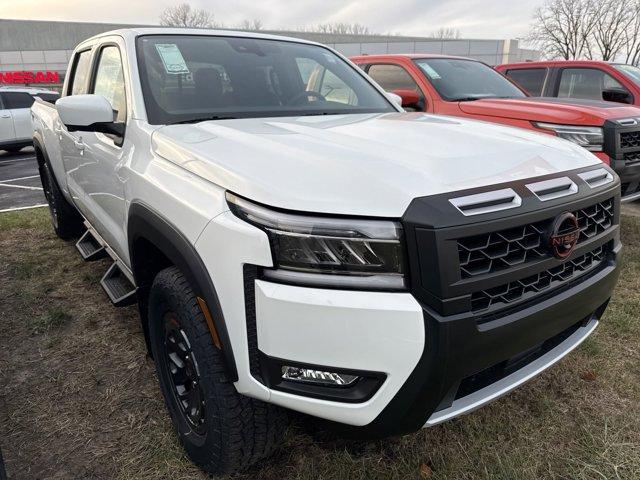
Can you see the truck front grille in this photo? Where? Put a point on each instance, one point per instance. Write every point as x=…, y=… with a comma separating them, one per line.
x=629, y=139
x=496, y=251
x=520, y=290
x=631, y=158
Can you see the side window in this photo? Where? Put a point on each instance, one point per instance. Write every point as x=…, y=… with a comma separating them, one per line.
x=333, y=89
x=392, y=77
x=78, y=80
x=592, y=84
x=319, y=79
x=529, y=79
x=109, y=81
x=17, y=100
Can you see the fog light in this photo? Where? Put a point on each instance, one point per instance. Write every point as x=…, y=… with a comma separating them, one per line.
x=318, y=377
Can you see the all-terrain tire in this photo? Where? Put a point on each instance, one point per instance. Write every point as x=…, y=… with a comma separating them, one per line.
x=234, y=431
x=65, y=219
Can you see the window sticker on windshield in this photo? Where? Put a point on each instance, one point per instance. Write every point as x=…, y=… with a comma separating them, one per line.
x=428, y=69
x=172, y=58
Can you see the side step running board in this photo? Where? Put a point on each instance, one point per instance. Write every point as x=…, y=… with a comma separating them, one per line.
x=90, y=248
x=120, y=290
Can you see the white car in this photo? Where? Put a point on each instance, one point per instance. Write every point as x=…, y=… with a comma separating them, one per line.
x=15, y=115
x=295, y=241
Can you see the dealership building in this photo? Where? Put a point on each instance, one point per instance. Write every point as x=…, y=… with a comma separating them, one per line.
x=36, y=53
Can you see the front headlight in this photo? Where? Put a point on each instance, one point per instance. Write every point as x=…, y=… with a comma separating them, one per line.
x=328, y=252
x=591, y=138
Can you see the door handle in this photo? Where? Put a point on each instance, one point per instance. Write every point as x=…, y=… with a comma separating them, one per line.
x=5, y=116
x=79, y=144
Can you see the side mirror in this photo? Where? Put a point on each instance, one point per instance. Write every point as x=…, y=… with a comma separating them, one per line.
x=79, y=112
x=89, y=113
x=410, y=98
x=395, y=98
x=617, y=95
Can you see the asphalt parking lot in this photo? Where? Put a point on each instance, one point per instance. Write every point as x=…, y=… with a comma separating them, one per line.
x=20, y=186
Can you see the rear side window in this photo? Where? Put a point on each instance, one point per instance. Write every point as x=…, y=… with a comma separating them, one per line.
x=590, y=83
x=13, y=100
x=530, y=79
x=48, y=97
x=78, y=81
x=392, y=77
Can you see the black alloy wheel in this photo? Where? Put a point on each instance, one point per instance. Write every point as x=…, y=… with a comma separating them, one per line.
x=182, y=365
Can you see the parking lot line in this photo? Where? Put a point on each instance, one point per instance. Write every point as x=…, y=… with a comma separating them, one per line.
x=2, y=184
x=19, y=178
x=23, y=208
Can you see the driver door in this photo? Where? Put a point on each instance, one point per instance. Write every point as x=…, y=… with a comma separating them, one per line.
x=105, y=156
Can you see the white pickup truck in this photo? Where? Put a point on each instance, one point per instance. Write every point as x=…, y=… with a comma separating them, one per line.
x=295, y=241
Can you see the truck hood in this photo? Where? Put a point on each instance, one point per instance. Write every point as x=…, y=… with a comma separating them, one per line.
x=370, y=165
x=551, y=110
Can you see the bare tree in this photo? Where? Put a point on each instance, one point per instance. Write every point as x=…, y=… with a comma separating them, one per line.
x=632, y=36
x=446, y=33
x=255, y=24
x=183, y=15
x=338, y=28
x=564, y=28
x=610, y=34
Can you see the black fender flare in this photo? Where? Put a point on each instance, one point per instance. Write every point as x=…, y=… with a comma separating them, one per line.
x=147, y=224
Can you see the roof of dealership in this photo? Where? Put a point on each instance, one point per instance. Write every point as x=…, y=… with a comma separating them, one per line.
x=47, y=36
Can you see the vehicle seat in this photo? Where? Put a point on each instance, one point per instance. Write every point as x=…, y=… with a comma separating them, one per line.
x=209, y=88
x=251, y=88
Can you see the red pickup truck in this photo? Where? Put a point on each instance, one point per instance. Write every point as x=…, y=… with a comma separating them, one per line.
x=582, y=79
x=468, y=88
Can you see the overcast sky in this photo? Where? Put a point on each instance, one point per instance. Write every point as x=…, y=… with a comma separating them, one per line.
x=474, y=18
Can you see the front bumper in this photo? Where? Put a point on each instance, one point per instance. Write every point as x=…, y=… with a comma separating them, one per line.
x=481, y=397
x=427, y=358
x=437, y=356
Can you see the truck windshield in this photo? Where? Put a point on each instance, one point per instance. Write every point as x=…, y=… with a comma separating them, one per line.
x=191, y=78
x=630, y=71
x=459, y=80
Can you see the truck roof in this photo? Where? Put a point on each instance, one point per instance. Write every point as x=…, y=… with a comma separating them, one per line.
x=134, y=32
x=412, y=56
x=548, y=63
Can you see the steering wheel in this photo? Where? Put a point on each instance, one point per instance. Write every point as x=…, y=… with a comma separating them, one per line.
x=305, y=94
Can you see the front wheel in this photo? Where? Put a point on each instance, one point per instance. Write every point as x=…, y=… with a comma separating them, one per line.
x=222, y=431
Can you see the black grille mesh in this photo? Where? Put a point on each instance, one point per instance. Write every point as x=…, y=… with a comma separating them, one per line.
x=632, y=158
x=516, y=291
x=629, y=139
x=497, y=251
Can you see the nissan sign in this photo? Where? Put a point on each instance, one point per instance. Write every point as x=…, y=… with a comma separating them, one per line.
x=21, y=78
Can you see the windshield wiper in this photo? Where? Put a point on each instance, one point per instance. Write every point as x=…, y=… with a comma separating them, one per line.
x=479, y=97
x=468, y=99
x=204, y=119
